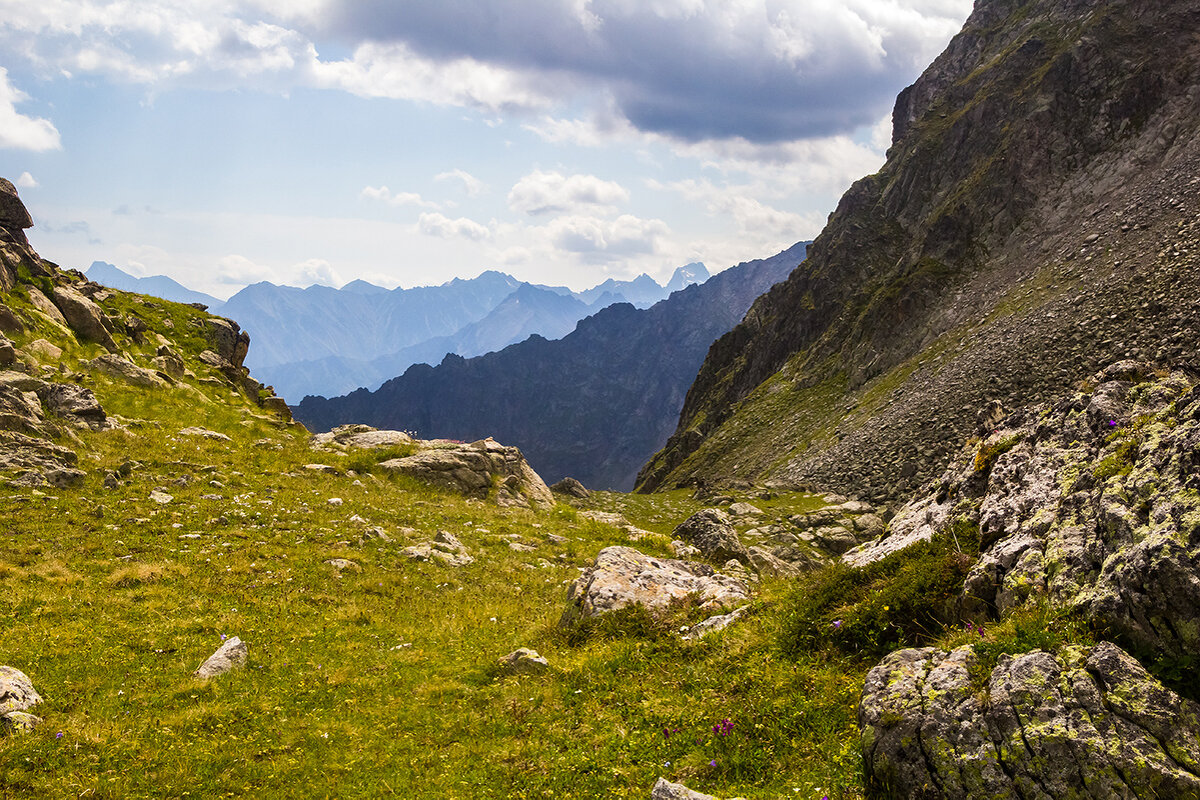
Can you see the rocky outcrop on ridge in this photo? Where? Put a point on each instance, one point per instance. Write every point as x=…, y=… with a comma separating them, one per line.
x=1091, y=503
x=46, y=388
x=1086, y=722
x=1036, y=219
x=485, y=469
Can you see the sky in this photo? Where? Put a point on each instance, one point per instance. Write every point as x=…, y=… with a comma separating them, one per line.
x=409, y=142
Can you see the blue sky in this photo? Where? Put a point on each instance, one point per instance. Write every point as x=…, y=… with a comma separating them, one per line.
x=407, y=143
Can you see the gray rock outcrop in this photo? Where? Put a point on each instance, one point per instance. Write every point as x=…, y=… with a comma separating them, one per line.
x=124, y=369
x=445, y=548
x=665, y=790
x=14, y=217
x=1090, y=503
x=475, y=470
x=571, y=488
x=1087, y=722
x=622, y=576
x=83, y=316
x=711, y=532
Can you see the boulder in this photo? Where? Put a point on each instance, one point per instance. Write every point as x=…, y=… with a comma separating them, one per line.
x=14, y=217
x=228, y=339
x=744, y=510
x=711, y=532
x=46, y=306
x=571, y=488
x=17, y=696
x=8, y=352
x=44, y=351
x=229, y=655
x=474, y=470
x=33, y=458
x=169, y=362
x=9, y=321
x=83, y=316
x=204, y=433
x=126, y=370
x=74, y=403
x=622, y=576
x=21, y=411
x=713, y=624
x=665, y=790
x=361, y=437
x=1086, y=722
x=445, y=548
x=523, y=661
x=764, y=562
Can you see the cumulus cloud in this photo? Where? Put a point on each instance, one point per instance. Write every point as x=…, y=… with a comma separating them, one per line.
x=441, y=226
x=385, y=195
x=693, y=70
x=598, y=240
x=319, y=271
x=27, y=181
x=18, y=131
x=761, y=70
x=471, y=185
x=553, y=193
x=237, y=269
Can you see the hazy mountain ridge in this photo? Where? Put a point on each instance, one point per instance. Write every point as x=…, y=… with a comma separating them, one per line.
x=594, y=404
x=326, y=341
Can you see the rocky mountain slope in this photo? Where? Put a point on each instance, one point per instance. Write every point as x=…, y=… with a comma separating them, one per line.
x=594, y=405
x=1036, y=219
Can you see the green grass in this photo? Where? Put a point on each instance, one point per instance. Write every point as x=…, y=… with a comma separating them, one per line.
x=378, y=682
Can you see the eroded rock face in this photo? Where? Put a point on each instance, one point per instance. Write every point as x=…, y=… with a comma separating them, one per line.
x=1091, y=503
x=14, y=217
x=622, y=576
x=1087, y=722
x=345, y=437
x=475, y=469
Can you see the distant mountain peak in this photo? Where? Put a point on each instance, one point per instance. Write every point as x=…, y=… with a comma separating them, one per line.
x=688, y=274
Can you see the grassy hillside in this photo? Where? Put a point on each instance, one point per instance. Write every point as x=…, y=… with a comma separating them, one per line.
x=374, y=679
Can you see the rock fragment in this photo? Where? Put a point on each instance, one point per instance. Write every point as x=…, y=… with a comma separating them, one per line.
x=229, y=655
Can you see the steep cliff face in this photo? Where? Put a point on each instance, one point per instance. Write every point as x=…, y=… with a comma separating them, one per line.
x=1034, y=221
x=594, y=405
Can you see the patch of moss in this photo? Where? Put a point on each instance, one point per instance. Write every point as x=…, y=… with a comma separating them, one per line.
x=989, y=451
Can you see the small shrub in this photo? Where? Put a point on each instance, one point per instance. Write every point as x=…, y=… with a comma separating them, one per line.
x=906, y=598
x=1037, y=627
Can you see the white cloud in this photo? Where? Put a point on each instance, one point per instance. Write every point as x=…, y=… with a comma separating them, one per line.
x=472, y=185
x=596, y=240
x=238, y=269
x=552, y=192
x=27, y=181
x=441, y=226
x=18, y=131
x=319, y=271
x=691, y=70
x=385, y=195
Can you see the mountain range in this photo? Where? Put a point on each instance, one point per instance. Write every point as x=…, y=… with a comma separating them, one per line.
x=593, y=405
x=326, y=341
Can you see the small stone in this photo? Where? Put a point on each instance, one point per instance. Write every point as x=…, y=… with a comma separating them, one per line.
x=205, y=433
x=160, y=497
x=523, y=661
x=229, y=655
